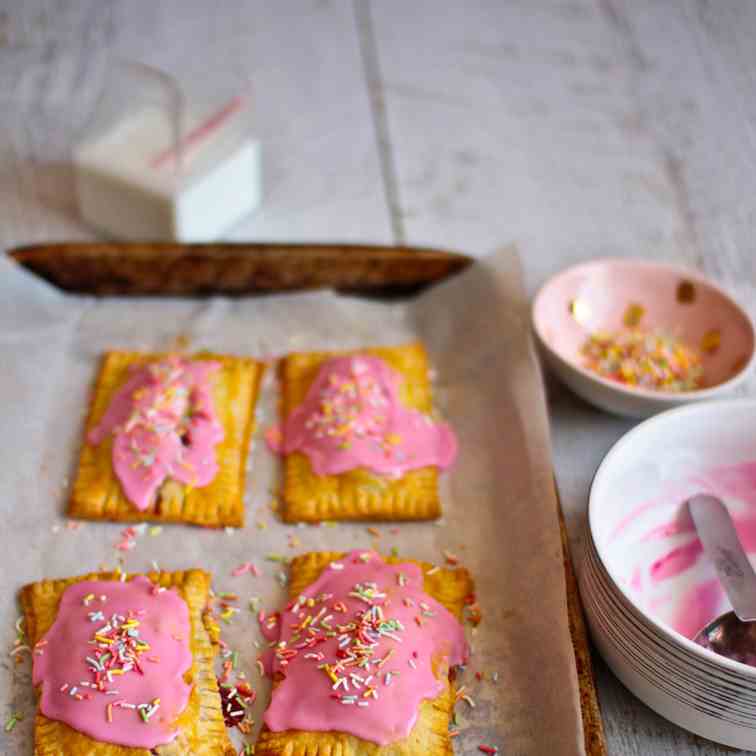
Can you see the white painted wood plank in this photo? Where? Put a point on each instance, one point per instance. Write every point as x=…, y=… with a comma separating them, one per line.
x=322, y=174
x=579, y=129
x=509, y=121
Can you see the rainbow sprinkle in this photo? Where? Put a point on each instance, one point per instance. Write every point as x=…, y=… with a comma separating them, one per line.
x=644, y=359
x=118, y=650
x=353, y=407
x=12, y=721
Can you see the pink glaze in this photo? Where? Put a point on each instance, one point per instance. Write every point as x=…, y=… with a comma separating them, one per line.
x=164, y=425
x=352, y=417
x=676, y=561
x=698, y=607
x=401, y=667
x=636, y=581
x=61, y=665
x=703, y=601
x=684, y=525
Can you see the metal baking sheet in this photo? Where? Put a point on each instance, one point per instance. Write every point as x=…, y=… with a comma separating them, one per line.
x=499, y=506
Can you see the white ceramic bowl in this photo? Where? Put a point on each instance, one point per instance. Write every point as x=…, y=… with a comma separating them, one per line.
x=633, y=595
x=596, y=295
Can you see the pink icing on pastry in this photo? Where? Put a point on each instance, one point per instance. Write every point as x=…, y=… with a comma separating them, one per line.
x=364, y=655
x=352, y=417
x=149, y=628
x=164, y=425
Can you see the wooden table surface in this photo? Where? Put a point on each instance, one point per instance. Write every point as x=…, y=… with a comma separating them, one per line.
x=576, y=128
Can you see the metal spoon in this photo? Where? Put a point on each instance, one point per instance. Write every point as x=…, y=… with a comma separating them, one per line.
x=732, y=634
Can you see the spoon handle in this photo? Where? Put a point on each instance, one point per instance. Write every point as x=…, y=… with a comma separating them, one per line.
x=722, y=545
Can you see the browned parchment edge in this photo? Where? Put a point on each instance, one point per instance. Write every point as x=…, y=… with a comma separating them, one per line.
x=593, y=726
x=172, y=269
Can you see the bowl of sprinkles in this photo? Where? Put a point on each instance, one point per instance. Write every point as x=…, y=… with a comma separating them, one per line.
x=635, y=337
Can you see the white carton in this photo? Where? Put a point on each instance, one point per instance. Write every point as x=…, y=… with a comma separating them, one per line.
x=138, y=180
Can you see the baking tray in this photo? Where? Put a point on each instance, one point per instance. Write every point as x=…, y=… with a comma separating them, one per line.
x=191, y=270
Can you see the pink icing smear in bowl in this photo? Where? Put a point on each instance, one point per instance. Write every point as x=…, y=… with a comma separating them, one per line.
x=665, y=569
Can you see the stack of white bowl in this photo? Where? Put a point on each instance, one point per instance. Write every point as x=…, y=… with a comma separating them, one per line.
x=705, y=693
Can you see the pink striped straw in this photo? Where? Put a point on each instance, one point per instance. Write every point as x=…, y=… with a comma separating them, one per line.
x=199, y=133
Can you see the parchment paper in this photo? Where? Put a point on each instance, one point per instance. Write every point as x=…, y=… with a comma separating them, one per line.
x=499, y=508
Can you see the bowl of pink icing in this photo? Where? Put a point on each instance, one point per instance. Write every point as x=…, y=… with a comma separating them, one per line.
x=646, y=584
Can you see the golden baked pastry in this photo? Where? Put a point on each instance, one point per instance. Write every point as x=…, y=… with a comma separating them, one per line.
x=430, y=734
x=98, y=494
x=201, y=730
x=358, y=494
